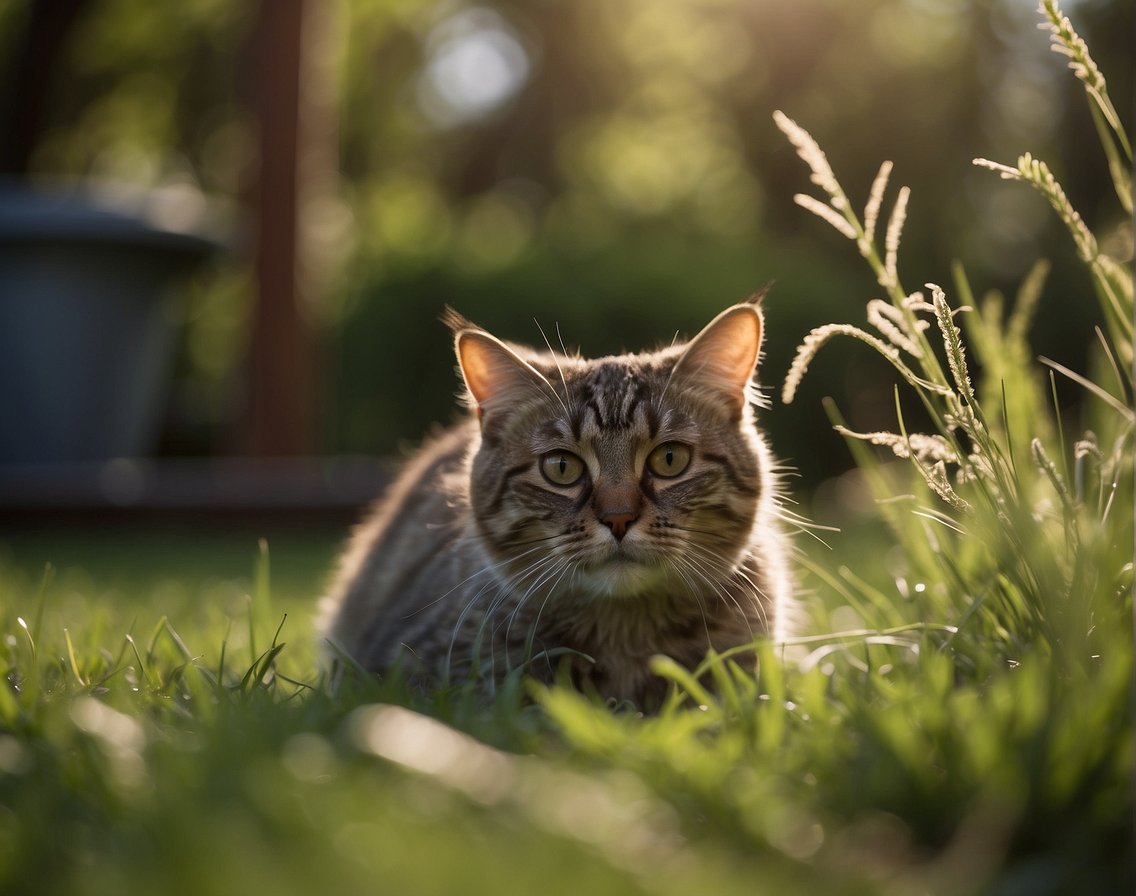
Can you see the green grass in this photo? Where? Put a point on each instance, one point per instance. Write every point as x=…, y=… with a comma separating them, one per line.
x=959, y=722
x=139, y=754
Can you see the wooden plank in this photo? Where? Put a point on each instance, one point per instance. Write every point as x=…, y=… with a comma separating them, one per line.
x=283, y=386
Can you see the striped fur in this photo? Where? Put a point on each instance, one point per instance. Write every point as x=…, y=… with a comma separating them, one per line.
x=476, y=562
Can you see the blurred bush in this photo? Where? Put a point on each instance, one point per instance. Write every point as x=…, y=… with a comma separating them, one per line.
x=610, y=170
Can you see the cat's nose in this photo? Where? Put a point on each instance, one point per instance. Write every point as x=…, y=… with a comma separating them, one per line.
x=619, y=523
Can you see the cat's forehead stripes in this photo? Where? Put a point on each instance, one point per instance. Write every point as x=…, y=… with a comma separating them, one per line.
x=613, y=396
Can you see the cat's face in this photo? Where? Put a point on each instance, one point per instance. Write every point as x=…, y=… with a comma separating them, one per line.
x=607, y=478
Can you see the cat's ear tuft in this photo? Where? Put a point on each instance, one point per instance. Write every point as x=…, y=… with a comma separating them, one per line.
x=758, y=297
x=722, y=358
x=493, y=373
x=456, y=321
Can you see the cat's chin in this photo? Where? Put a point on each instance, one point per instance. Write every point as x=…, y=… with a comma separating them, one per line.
x=619, y=577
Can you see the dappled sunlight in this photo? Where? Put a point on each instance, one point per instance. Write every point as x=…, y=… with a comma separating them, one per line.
x=916, y=30
x=429, y=747
x=649, y=161
x=613, y=812
x=474, y=63
x=409, y=215
x=697, y=40
x=119, y=735
x=495, y=230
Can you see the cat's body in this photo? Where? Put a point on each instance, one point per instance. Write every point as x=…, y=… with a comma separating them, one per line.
x=591, y=512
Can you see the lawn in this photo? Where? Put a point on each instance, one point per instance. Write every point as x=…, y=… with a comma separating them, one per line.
x=956, y=718
x=156, y=741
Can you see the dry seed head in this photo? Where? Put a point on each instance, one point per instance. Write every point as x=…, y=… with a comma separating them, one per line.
x=956, y=352
x=962, y=417
x=926, y=448
x=810, y=153
x=1064, y=39
x=891, y=322
x=1037, y=173
x=1087, y=447
x=978, y=466
x=827, y=212
x=811, y=344
x=891, y=240
x=875, y=200
x=917, y=302
x=1005, y=171
x=936, y=478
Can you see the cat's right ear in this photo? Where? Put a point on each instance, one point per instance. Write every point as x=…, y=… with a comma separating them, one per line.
x=493, y=373
x=720, y=360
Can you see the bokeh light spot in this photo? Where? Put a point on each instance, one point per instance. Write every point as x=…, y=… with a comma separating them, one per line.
x=475, y=63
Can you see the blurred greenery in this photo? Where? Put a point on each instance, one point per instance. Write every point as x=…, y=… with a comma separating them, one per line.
x=610, y=170
x=120, y=561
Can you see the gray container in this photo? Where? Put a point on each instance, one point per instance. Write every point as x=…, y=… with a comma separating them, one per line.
x=86, y=324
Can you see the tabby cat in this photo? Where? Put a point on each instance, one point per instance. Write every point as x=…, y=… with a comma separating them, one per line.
x=592, y=513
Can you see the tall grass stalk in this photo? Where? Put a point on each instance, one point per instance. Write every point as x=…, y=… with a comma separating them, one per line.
x=1022, y=557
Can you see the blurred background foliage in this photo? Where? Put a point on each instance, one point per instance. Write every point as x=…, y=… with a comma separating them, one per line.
x=609, y=169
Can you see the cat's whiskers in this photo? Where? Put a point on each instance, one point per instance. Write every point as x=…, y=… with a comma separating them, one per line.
x=490, y=567
x=569, y=410
x=509, y=545
x=457, y=627
x=555, y=568
x=564, y=354
x=710, y=573
x=704, y=563
x=761, y=601
x=693, y=590
x=503, y=587
x=660, y=401
x=534, y=626
x=802, y=524
x=541, y=569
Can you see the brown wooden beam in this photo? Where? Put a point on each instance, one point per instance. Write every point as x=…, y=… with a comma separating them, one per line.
x=30, y=77
x=283, y=410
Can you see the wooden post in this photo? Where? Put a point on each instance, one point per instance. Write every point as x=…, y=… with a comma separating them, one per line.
x=29, y=78
x=295, y=127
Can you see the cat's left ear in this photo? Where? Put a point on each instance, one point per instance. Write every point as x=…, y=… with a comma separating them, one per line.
x=721, y=359
x=493, y=373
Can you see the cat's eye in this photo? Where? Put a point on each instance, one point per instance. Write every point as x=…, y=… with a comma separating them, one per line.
x=561, y=468
x=669, y=459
